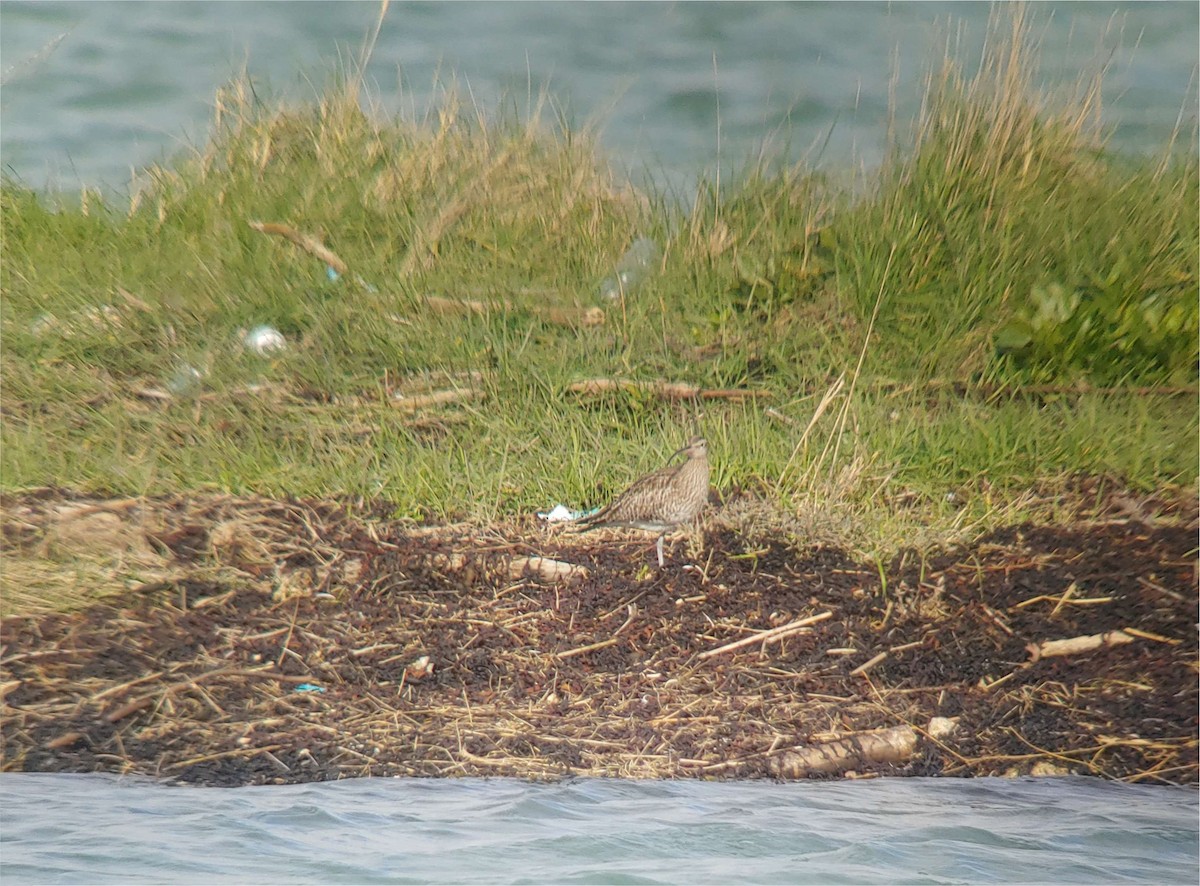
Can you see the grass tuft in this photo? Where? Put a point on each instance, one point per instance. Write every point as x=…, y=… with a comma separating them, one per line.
x=1009, y=306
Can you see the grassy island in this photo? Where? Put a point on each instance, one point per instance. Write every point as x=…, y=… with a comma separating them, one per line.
x=952, y=416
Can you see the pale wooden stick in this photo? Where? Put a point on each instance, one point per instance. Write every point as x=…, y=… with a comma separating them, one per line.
x=307, y=242
x=603, y=643
x=434, y=398
x=1074, y=601
x=895, y=745
x=65, y=740
x=442, y=305
x=1051, y=648
x=592, y=316
x=562, y=316
x=547, y=568
x=1146, y=635
x=764, y=636
x=668, y=390
x=867, y=665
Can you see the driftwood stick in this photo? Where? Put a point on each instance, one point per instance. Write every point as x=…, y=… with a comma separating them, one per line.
x=994, y=390
x=668, y=390
x=434, y=398
x=152, y=394
x=867, y=665
x=894, y=745
x=592, y=316
x=131, y=708
x=440, y=305
x=592, y=647
x=307, y=242
x=1075, y=645
x=547, y=568
x=561, y=316
x=64, y=741
x=240, y=752
x=765, y=636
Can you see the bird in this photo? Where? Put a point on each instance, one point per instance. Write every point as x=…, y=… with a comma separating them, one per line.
x=662, y=500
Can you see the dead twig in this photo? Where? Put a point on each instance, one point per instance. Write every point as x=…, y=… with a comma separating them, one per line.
x=894, y=745
x=307, y=242
x=867, y=665
x=667, y=390
x=547, y=569
x=592, y=647
x=558, y=315
x=1146, y=635
x=1075, y=645
x=765, y=636
x=239, y=752
x=435, y=398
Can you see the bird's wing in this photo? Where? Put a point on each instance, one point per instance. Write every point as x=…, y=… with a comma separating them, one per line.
x=625, y=506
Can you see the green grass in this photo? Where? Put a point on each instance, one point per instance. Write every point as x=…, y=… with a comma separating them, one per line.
x=945, y=269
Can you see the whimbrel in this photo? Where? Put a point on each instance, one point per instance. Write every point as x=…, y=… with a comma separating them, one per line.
x=660, y=501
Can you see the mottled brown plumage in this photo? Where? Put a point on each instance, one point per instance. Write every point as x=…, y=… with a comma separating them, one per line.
x=660, y=501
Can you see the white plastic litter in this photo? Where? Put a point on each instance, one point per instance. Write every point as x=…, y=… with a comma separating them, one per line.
x=264, y=340
x=185, y=379
x=635, y=266
x=561, y=514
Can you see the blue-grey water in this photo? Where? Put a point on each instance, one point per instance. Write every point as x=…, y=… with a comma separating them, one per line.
x=132, y=83
x=103, y=829
x=674, y=87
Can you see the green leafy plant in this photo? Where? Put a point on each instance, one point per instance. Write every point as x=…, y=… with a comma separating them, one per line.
x=1104, y=334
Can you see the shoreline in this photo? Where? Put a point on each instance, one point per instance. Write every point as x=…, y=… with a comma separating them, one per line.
x=288, y=641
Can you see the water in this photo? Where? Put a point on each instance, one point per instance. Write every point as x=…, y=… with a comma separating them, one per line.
x=102, y=829
x=131, y=83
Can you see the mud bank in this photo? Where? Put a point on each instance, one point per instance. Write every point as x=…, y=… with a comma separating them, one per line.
x=276, y=642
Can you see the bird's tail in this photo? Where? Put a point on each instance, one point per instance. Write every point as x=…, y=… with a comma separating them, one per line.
x=588, y=522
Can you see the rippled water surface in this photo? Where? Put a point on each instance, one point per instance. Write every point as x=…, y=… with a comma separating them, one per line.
x=101, y=829
x=132, y=83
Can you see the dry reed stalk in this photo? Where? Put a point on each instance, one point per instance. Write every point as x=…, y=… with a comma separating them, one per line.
x=769, y=635
x=827, y=398
x=592, y=647
x=1061, y=601
x=1146, y=635
x=310, y=244
x=835, y=437
x=421, y=251
x=990, y=391
x=435, y=398
x=547, y=568
x=895, y=745
x=1076, y=645
x=558, y=315
x=224, y=755
x=667, y=390
x=867, y=665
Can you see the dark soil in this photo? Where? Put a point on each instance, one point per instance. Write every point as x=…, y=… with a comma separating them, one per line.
x=290, y=642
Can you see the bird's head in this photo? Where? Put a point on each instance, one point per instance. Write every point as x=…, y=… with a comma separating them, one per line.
x=696, y=447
